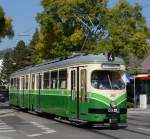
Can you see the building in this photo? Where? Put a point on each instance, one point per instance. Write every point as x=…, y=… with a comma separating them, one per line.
x=140, y=83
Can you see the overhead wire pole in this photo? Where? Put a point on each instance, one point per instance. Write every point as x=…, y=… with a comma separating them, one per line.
x=134, y=93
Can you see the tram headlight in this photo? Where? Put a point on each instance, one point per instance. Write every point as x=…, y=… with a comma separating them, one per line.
x=113, y=104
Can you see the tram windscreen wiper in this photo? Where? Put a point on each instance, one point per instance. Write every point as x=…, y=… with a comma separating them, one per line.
x=109, y=81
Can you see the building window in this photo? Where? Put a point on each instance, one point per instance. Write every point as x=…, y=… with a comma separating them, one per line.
x=46, y=80
x=54, y=80
x=63, y=79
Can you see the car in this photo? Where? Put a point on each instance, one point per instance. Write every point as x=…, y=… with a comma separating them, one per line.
x=2, y=98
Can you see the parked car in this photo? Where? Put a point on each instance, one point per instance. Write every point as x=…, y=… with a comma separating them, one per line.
x=2, y=98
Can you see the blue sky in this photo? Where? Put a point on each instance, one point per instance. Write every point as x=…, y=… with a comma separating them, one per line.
x=24, y=12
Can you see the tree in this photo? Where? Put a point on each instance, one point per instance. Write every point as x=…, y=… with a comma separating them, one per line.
x=21, y=55
x=7, y=67
x=127, y=33
x=64, y=26
x=18, y=58
x=5, y=25
x=32, y=47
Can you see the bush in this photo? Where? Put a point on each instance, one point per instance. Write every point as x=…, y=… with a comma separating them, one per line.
x=130, y=105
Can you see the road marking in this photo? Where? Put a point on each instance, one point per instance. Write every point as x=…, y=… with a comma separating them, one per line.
x=144, y=129
x=140, y=112
x=34, y=135
x=7, y=114
x=2, y=123
x=49, y=131
x=46, y=129
x=5, y=128
x=7, y=131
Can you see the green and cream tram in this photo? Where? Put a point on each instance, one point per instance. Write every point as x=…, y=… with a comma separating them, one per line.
x=81, y=88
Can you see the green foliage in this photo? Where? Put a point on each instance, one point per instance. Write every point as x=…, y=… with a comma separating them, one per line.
x=7, y=68
x=3, y=52
x=5, y=25
x=127, y=31
x=64, y=25
x=61, y=31
x=21, y=55
x=130, y=105
x=16, y=59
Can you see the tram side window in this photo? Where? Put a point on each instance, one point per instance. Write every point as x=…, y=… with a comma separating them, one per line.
x=38, y=81
x=22, y=83
x=54, y=80
x=15, y=83
x=11, y=82
x=46, y=80
x=63, y=79
x=83, y=85
x=18, y=83
x=27, y=82
x=33, y=81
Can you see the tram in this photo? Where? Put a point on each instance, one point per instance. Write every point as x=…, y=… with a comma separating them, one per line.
x=83, y=88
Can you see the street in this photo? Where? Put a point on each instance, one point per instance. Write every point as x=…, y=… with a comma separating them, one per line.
x=16, y=124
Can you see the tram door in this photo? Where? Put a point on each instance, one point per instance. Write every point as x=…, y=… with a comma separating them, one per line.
x=78, y=91
x=22, y=93
x=38, y=87
x=74, y=106
x=18, y=87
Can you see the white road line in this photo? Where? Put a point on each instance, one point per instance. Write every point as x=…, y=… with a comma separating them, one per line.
x=49, y=131
x=3, y=128
x=34, y=135
x=7, y=131
x=45, y=128
x=144, y=129
x=2, y=123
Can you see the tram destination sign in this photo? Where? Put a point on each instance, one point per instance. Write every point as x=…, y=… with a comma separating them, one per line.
x=111, y=66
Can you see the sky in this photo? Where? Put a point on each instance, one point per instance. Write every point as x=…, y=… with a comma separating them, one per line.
x=24, y=12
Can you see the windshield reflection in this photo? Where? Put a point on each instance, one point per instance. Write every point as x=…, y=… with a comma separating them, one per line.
x=107, y=80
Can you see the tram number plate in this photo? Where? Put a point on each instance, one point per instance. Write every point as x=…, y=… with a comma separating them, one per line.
x=113, y=110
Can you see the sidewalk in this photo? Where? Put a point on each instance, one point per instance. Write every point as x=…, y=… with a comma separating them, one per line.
x=138, y=110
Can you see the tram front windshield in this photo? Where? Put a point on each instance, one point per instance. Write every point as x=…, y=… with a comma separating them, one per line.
x=107, y=80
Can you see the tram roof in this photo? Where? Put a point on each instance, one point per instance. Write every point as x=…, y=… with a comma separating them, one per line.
x=70, y=61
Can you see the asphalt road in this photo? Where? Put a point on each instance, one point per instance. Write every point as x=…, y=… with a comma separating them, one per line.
x=15, y=124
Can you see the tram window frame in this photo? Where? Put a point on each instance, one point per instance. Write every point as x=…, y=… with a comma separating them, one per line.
x=46, y=81
x=54, y=85
x=33, y=81
x=63, y=79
